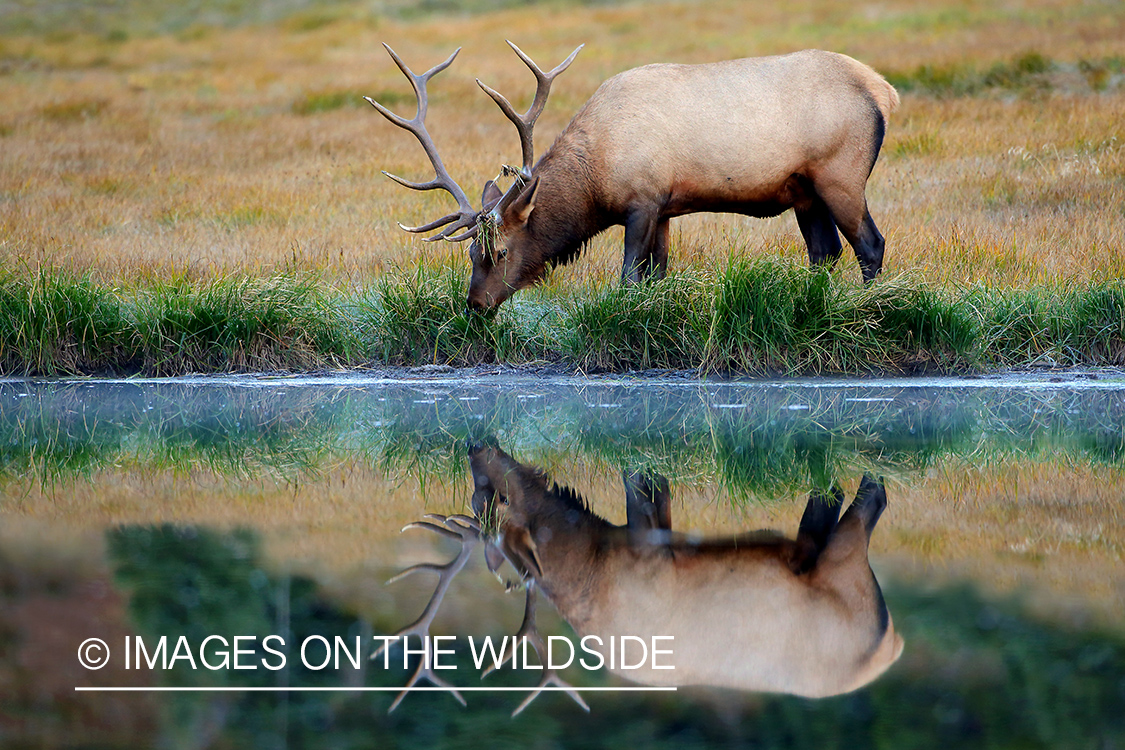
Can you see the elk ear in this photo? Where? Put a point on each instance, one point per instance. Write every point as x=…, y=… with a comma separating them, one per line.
x=523, y=205
x=490, y=196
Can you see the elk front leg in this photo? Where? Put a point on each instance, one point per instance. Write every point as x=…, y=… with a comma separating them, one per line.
x=642, y=230
x=657, y=266
x=817, y=524
x=648, y=504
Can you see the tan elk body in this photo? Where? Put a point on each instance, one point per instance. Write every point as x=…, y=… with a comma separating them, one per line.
x=754, y=612
x=755, y=136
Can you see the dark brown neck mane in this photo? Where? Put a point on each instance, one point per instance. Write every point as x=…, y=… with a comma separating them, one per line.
x=566, y=211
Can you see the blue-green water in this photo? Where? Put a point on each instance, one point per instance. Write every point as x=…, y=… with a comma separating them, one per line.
x=265, y=507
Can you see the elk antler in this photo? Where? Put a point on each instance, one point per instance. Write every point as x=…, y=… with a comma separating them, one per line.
x=466, y=217
x=467, y=531
x=525, y=123
x=530, y=630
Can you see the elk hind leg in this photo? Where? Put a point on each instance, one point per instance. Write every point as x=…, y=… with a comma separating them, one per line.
x=848, y=207
x=869, y=504
x=844, y=562
x=849, y=540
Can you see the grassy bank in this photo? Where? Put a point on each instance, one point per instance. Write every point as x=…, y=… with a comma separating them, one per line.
x=57, y=325
x=761, y=316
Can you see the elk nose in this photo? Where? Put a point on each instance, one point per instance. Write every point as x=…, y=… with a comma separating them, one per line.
x=476, y=308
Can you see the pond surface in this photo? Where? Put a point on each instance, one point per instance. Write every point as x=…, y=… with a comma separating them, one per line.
x=891, y=563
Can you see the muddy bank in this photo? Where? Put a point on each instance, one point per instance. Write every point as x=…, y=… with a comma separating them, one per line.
x=1108, y=378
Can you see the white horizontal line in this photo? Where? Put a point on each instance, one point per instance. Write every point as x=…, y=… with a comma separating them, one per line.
x=528, y=689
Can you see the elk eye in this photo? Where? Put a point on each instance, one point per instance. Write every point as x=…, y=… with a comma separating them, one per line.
x=503, y=254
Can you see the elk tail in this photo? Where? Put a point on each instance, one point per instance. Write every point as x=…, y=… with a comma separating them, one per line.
x=885, y=96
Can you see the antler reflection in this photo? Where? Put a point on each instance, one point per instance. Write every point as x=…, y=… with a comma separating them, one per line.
x=461, y=528
x=528, y=629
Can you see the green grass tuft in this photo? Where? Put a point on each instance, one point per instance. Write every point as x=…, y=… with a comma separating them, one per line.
x=763, y=316
x=777, y=316
x=656, y=325
x=239, y=324
x=1053, y=326
x=54, y=324
x=58, y=325
x=419, y=318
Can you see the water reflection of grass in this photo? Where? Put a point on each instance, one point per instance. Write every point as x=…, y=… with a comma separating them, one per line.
x=61, y=433
x=752, y=441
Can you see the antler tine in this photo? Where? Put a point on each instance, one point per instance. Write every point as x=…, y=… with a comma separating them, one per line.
x=530, y=630
x=465, y=222
x=432, y=567
x=426, y=227
x=466, y=216
x=551, y=678
x=453, y=527
x=427, y=673
x=463, y=520
x=525, y=123
x=423, y=79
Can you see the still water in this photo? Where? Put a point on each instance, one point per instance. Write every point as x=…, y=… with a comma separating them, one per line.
x=748, y=564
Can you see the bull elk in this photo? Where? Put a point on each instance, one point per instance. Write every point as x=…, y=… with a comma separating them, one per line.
x=755, y=136
x=757, y=611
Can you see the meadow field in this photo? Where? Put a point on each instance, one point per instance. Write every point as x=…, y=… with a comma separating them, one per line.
x=153, y=161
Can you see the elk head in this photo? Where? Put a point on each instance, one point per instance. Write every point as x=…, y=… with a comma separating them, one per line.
x=499, y=229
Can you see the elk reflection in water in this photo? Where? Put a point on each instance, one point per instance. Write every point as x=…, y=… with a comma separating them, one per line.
x=757, y=611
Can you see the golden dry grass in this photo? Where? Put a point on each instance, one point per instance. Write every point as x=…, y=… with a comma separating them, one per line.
x=219, y=151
